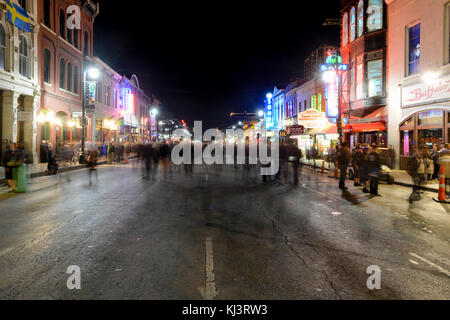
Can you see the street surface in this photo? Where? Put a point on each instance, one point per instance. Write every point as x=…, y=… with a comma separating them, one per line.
x=215, y=235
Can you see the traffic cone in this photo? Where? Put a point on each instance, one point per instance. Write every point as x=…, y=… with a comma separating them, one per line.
x=441, y=196
x=336, y=172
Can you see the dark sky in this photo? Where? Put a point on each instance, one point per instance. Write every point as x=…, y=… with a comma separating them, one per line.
x=205, y=60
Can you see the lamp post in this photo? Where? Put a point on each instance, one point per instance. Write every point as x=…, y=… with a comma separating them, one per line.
x=93, y=74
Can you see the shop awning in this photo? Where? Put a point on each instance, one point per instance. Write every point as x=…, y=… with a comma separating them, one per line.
x=365, y=127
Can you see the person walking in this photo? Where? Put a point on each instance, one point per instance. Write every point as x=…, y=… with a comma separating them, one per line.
x=356, y=162
x=295, y=154
x=343, y=158
x=164, y=151
x=412, y=170
x=390, y=154
x=421, y=168
x=429, y=166
x=9, y=161
x=435, y=157
x=374, y=169
x=284, y=163
x=364, y=170
x=111, y=151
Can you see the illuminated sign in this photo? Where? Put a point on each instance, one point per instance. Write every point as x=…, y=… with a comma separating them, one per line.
x=90, y=91
x=312, y=118
x=330, y=67
x=333, y=59
x=331, y=96
x=128, y=102
x=269, y=118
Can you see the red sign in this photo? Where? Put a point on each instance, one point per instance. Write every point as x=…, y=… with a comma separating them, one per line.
x=296, y=130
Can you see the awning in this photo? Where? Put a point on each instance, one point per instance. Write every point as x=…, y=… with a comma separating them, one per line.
x=364, y=127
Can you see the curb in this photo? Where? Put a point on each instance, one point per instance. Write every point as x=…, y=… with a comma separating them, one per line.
x=408, y=185
x=61, y=170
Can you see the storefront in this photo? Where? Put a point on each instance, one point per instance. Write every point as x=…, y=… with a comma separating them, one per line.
x=367, y=130
x=423, y=130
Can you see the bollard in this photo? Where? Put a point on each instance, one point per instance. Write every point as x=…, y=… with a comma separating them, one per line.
x=124, y=155
x=441, y=195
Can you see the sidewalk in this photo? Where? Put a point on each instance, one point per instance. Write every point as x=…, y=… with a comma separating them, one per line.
x=401, y=177
x=40, y=169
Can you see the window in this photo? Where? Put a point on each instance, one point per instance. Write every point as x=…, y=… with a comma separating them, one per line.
x=47, y=60
x=2, y=47
x=23, y=57
x=75, y=80
x=313, y=102
x=47, y=13
x=98, y=92
x=352, y=25
x=115, y=98
x=23, y=4
x=360, y=78
x=69, y=77
x=375, y=78
x=345, y=30
x=62, y=74
x=352, y=83
x=75, y=38
x=414, y=49
x=360, y=18
x=69, y=35
x=86, y=43
x=107, y=96
x=375, y=15
x=62, y=23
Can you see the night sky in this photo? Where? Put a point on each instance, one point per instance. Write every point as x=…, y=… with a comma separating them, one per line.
x=204, y=61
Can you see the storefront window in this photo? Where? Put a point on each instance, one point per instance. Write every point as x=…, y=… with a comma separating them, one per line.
x=433, y=118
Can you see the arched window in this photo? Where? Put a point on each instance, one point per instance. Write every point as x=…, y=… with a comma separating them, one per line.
x=62, y=73
x=69, y=35
x=69, y=77
x=360, y=18
x=375, y=15
x=47, y=60
x=75, y=80
x=47, y=13
x=62, y=23
x=345, y=29
x=23, y=57
x=2, y=47
x=352, y=25
x=86, y=43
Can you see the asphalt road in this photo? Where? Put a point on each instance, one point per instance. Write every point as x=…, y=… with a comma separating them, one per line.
x=216, y=235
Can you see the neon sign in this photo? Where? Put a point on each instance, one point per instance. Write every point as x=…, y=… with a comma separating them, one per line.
x=128, y=102
x=269, y=118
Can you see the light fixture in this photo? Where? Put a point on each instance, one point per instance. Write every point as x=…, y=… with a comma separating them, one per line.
x=154, y=112
x=240, y=123
x=329, y=76
x=269, y=96
x=430, y=77
x=261, y=113
x=93, y=73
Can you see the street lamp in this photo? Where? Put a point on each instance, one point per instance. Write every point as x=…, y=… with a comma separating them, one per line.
x=93, y=74
x=261, y=113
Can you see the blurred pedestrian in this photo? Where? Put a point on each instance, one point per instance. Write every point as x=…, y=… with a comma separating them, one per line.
x=444, y=160
x=374, y=169
x=356, y=163
x=390, y=155
x=9, y=161
x=364, y=170
x=343, y=158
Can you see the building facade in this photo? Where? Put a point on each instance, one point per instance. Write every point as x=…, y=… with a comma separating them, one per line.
x=314, y=60
x=363, y=48
x=62, y=53
x=418, y=75
x=19, y=90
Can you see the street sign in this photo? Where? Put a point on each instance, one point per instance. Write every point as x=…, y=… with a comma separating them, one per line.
x=296, y=130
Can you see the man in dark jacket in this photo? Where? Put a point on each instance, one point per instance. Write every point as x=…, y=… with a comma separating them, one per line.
x=374, y=169
x=343, y=158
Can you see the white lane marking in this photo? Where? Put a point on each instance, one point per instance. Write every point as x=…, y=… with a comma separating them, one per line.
x=442, y=270
x=210, y=286
x=335, y=213
x=3, y=252
x=304, y=186
x=412, y=261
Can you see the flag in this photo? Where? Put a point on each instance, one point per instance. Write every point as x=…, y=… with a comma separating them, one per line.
x=17, y=16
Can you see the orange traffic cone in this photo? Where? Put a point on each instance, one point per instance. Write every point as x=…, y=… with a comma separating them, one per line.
x=441, y=196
